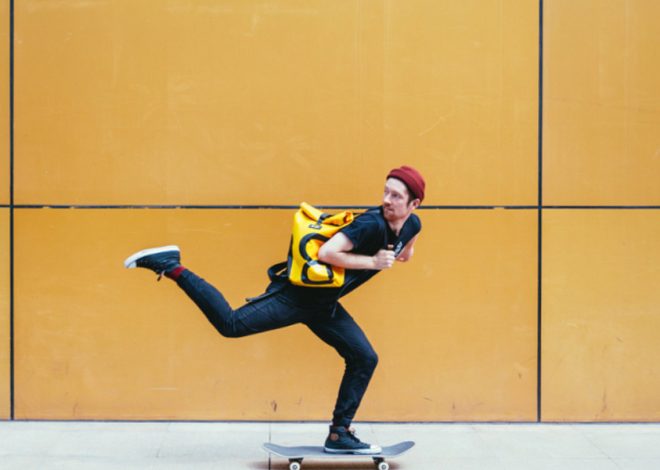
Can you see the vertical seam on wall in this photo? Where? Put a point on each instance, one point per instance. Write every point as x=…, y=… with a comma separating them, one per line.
x=540, y=222
x=11, y=210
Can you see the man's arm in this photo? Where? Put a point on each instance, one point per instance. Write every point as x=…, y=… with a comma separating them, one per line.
x=407, y=251
x=336, y=252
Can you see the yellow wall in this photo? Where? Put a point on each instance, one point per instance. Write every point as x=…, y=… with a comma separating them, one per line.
x=602, y=119
x=600, y=275
x=230, y=103
x=131, y=102
x=4, y=102
x=601, y=358
x=4, y=316
x=4, y=213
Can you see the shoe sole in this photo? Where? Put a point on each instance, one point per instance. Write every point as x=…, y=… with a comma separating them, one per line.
x=353, y=452
x=131, y=261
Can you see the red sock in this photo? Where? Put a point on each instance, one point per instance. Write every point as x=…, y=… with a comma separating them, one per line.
x=175, y=273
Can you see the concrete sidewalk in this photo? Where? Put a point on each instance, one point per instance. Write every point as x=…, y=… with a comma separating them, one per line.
x=228, y=446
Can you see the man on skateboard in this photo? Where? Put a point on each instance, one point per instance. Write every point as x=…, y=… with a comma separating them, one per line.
x=371, y=243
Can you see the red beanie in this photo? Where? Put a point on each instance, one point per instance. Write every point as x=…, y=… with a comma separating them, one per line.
x=412, y=178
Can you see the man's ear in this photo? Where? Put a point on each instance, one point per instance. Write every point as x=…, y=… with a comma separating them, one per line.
x=415, y=203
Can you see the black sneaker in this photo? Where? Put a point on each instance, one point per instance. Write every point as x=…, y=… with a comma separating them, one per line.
x=344, y=441
x=160, y=260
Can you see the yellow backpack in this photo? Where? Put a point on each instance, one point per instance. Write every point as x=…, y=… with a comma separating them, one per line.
x=311, y=229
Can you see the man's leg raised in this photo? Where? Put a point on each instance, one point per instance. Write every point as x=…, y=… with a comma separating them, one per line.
x=266, y=313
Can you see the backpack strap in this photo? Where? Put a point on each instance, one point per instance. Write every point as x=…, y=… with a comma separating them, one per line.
x=382, y=223
x=278, y=272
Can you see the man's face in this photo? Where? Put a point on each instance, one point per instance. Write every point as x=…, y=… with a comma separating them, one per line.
x=397, y=201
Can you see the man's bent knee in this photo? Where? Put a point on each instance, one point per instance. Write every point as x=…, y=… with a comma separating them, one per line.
x=232, y=332
x=369, y=360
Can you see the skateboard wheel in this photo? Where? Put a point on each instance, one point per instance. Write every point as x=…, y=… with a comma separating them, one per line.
x=294, y=466
x=383, y=466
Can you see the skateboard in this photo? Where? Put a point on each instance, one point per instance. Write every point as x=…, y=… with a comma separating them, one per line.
x=298, y=453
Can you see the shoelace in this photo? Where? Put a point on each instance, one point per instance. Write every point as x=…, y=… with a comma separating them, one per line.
x=351, y=433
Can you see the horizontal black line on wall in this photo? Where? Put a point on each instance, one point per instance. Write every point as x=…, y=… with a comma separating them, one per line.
x=281, y=421
x=292, y=207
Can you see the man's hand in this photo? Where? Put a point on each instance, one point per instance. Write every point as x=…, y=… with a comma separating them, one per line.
x=407, y=251
x=384, y=259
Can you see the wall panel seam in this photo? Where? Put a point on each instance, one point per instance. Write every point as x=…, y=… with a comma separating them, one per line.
x=11, y=215
x=540, y=220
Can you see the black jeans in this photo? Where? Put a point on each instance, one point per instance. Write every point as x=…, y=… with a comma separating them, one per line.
x=275, y=310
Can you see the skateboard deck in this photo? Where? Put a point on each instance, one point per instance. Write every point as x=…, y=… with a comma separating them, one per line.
x=296, y=454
